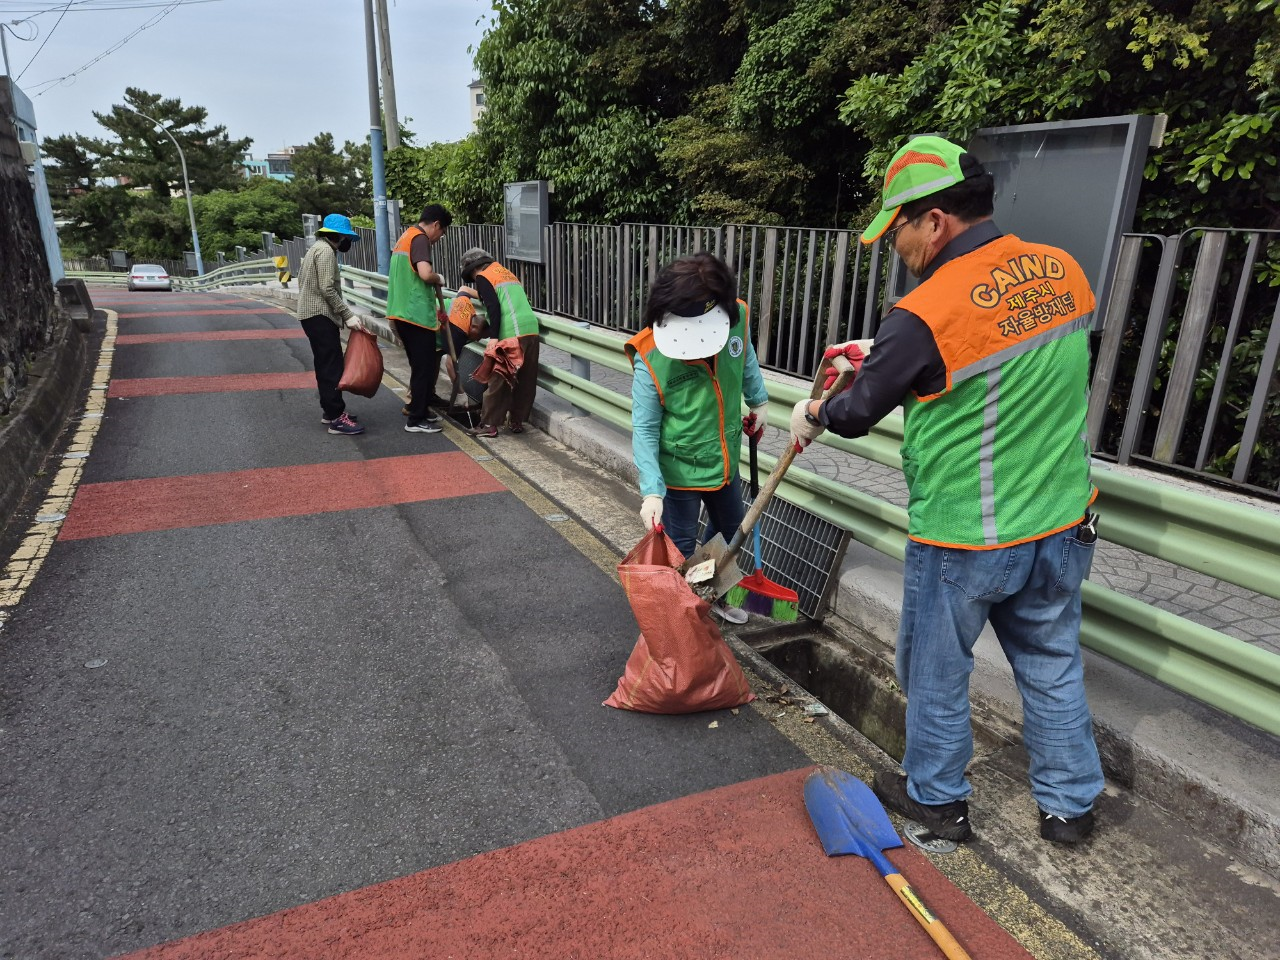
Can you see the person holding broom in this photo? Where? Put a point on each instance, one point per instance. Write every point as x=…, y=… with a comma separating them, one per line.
x=693, y=366
x=989, y=358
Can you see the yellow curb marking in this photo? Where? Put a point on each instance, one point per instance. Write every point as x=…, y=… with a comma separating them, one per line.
x=20, y=572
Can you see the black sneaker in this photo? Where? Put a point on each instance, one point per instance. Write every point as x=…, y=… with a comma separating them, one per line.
x=421, y=426
x=1066, y=829
x=947, y=820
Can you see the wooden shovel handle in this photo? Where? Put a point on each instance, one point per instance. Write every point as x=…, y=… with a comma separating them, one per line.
x=932, y=925
x=844, y=375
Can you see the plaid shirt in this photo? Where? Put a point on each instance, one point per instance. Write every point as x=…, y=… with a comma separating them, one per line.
x=320, y=286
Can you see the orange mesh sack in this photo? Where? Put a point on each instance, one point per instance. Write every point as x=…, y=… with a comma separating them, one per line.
x=681, y=663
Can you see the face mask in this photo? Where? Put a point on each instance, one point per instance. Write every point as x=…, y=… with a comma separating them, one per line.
x=344, y=244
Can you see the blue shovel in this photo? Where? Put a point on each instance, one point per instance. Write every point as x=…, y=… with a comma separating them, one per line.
x=849, y=819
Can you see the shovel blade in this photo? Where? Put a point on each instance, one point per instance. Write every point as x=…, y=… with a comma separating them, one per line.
x=709, y=572
x=713, y=550
x=847, y=816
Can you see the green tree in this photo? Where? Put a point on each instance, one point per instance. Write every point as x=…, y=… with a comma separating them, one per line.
x=1209, y=65
x=144, y=156
x=70, y=168
x=230, y=218
x=558, y=107
x=95, y=221
x=329, y=180
x=445, y=173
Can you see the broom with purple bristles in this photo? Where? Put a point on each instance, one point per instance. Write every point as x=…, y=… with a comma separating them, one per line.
x=756, y=593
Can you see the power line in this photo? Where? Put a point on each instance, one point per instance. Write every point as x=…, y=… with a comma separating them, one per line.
x=48, y=36
x=91, y=6
x=49, y=84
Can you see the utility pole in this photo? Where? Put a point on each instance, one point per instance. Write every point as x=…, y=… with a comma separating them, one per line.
x=390, y=117
x=381, y=238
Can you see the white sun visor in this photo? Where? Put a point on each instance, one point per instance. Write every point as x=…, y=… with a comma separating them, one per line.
x=692, y=338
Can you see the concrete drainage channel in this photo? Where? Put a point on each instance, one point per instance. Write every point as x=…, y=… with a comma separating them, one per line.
x=849, y=680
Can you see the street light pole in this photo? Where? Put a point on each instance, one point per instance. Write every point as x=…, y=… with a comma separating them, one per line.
x=186, y=186
x=381, y=227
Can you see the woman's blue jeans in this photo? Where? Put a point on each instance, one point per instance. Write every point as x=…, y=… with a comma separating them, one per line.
x=1030, y=593
x=680, y=510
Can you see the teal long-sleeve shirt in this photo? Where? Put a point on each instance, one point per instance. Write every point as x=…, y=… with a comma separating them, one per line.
x=646, y=418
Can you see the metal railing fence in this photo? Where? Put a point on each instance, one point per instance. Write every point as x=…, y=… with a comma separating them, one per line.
x=1186, y=369
x=1194, y=392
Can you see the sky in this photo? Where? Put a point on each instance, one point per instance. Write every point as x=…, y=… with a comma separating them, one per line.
x=279, y=71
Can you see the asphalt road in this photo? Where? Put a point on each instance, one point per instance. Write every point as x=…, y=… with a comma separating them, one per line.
x=203, y=724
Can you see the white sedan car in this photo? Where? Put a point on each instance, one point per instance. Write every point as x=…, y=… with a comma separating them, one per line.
x=149, y=276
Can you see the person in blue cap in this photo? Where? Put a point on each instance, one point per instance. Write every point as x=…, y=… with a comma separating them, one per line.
x=323, y=313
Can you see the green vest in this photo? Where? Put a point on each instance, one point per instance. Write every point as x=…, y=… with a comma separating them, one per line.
x=518, y=318
x=408, y=298
x=1001, y=456
x=701, y=411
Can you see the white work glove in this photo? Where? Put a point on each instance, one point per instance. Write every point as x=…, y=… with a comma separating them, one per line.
x=651, y=511
x=754, y=422
x=353, y=323
x=803, y=432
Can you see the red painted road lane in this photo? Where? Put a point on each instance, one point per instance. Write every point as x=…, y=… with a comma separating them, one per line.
x=731, y=874
x=179, y=314
x=287, y=333
x=230, y=383
x=168, y=503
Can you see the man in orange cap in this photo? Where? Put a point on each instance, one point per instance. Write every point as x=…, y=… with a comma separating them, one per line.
x=989, y=358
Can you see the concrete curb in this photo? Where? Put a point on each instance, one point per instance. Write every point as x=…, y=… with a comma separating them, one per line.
x=41, y=414
x=1218, y=775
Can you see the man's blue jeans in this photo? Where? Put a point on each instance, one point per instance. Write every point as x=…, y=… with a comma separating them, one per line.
x=1031, y=595
x=680, y=510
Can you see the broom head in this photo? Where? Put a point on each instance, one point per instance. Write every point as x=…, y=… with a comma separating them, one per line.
x=760, y=595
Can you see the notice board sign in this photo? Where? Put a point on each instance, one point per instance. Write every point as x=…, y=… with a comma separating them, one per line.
x=525, y=211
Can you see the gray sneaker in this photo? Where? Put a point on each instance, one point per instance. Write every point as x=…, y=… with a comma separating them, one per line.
x=729, y=614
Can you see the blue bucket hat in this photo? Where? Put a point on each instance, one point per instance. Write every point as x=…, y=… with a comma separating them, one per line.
x=337, y=223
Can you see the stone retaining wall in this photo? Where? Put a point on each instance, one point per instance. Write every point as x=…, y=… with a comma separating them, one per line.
x=29, y=317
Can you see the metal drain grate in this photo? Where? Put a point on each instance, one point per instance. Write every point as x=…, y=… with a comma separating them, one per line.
x=798, y=549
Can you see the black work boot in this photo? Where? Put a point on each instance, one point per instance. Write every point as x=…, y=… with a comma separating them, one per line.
x=947, y=820
x=1065, y=829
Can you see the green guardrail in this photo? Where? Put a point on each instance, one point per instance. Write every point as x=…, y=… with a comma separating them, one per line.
x=1226, y=541
x=231, y=274
x=101, y=278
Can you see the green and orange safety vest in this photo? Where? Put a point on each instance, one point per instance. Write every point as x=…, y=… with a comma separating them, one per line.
x=518, y=318
x=701, y=434
x=1001, y=455
x=408, y=298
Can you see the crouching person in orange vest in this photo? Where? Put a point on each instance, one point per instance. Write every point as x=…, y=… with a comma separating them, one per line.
x=510, y=318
